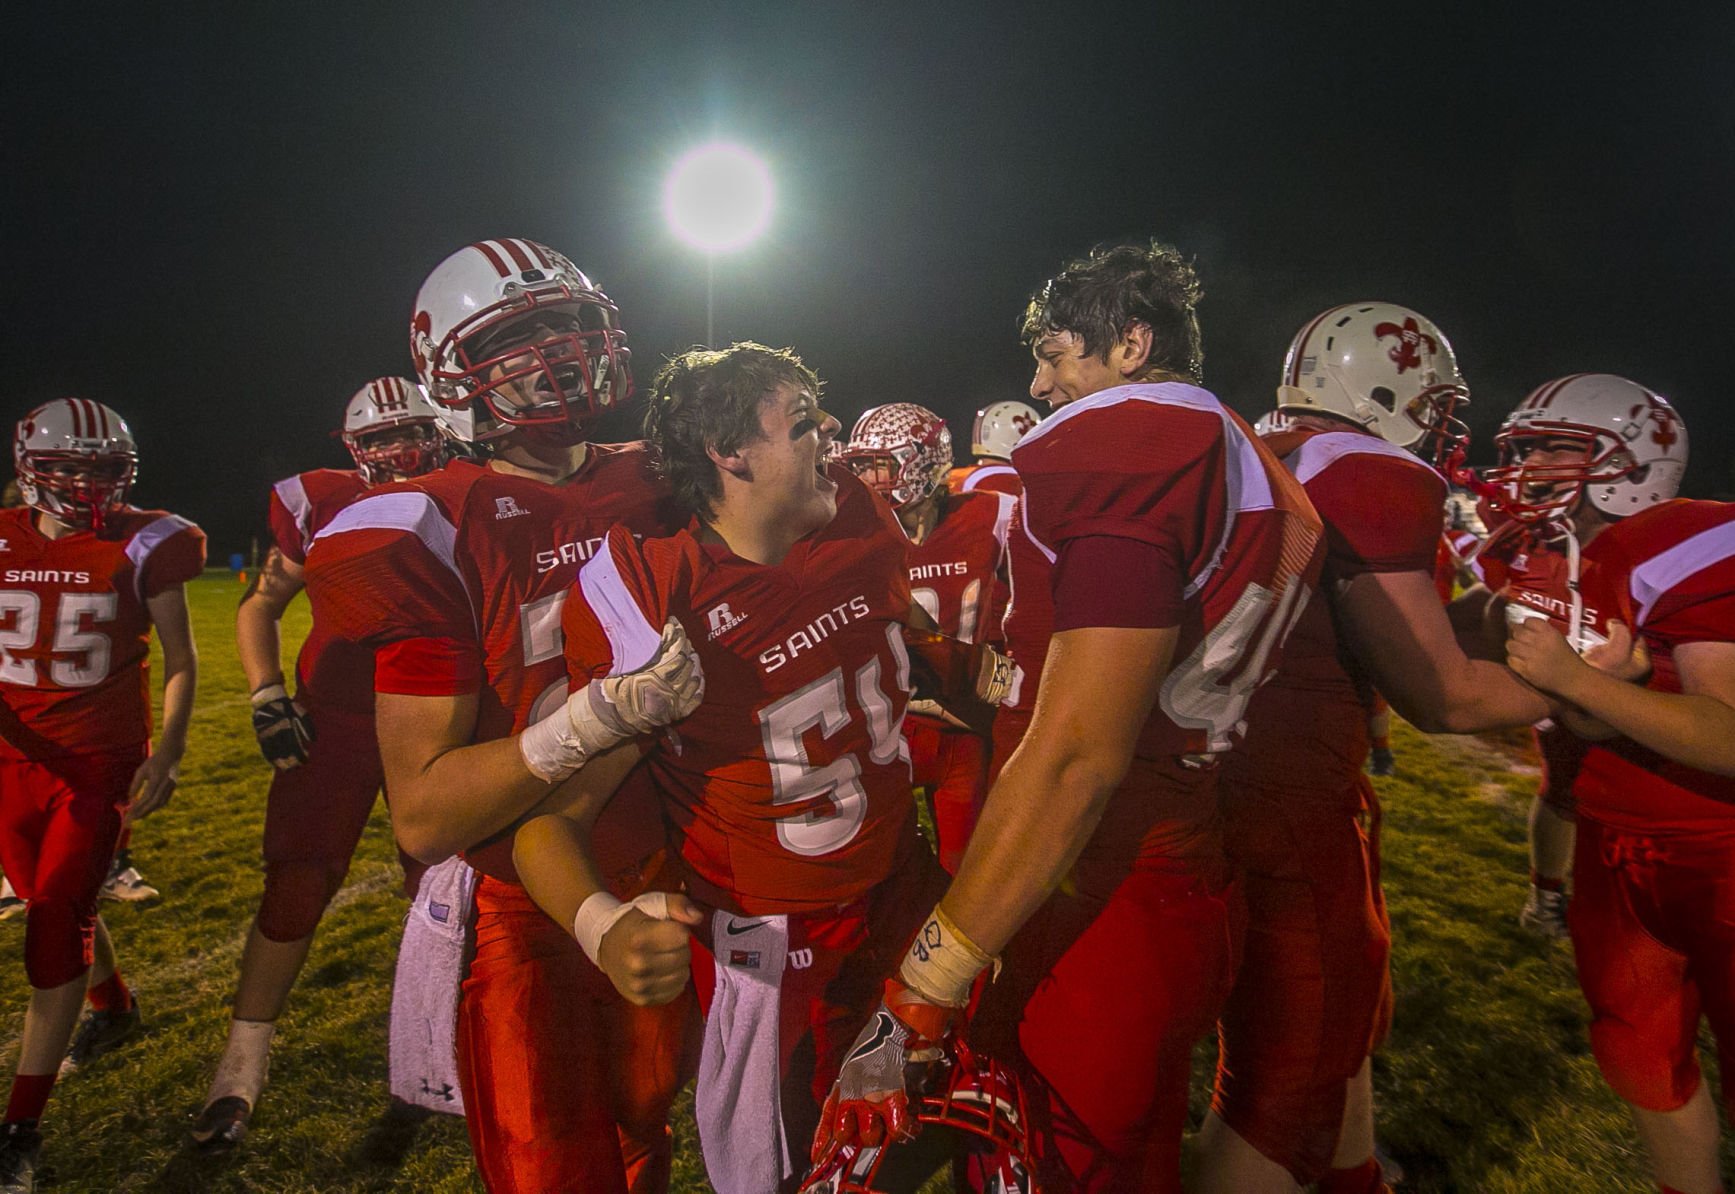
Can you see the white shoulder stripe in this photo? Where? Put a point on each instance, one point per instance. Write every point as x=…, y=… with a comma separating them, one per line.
x=416, y=513
x=631, y=637
x=293, y=494
x=1003, y=519
x=1662, y=572
x=147, y=540
x=982, y=474
x=1319, y=452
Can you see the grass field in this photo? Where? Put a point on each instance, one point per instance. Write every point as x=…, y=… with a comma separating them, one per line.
x=1488, y=1085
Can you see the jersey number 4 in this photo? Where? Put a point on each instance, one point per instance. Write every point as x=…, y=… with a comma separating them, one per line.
x=834, y=795
x=75, y=633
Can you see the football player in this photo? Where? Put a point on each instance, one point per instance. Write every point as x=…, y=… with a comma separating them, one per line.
x=456, y=580
x=997, y=429
x=789, y=785
x=1365, y=387
x=957, y=575
x=320, y=795
x=86, y=578
x=1160, y=559
x=1530, y=565
x=1652, y=901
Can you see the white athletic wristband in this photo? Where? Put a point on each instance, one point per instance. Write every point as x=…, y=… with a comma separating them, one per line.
x=598, y=914
x=268, y=693
x=943, y=963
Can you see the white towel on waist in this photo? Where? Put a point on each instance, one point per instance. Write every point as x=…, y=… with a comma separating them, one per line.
x=424, y=1042
x=737, y=1103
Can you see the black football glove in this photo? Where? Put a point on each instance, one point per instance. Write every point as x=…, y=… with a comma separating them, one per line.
x=283, y=728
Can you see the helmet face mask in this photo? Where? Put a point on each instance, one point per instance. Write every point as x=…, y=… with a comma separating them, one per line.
x=509, y=334
x=1591, y=438
x=76, y=461
x=901, y=451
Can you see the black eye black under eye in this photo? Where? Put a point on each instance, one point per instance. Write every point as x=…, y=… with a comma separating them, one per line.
x=802, y=428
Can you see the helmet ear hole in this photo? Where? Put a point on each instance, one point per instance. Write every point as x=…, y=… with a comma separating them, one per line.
x=1384, y=397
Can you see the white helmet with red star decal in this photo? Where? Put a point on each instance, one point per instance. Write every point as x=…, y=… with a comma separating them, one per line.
x=999, y=426
x=393, y=431
x=76, y=460
x=901, y=450
x=1383, y=366
x=1635, y=449
x=508, y=333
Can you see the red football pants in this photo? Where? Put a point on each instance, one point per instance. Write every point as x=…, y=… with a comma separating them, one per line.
x=1098, y=1008
x=952, y=765
x=314, y=816
x=1310, y=993
x=567, y=1086
x=59, y=820
x=1653, y=932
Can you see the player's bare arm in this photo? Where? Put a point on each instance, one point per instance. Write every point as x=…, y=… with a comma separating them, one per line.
x=1695, y=726
x=282, y=726
x=1476, y=621
x=154, y=782
x=641, y=944
x=1399, y=631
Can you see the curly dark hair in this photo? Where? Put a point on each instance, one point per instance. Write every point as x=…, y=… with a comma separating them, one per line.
x=1098, y=296
x=709, y=398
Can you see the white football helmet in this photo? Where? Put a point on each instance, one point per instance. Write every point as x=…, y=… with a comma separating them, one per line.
x=486, y=376
x=901, y=450
x=998, y=428
x=393, y=431
x=1635, y=449
x=1382, y=366
x=1271, y=422
x=76, y=460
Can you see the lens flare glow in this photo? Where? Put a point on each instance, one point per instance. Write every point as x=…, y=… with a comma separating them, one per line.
x=718, y=197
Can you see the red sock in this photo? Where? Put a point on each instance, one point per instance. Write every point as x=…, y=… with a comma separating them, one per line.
x=1362, y=1179
x=29, y=1096
x=1545, y=883
x=110, y=995
x=1672, y=1190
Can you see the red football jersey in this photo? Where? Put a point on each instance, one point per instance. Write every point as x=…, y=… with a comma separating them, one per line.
x=479, y=563
x=990, y=476
x=1171, y=468
x=329, y=671
x=1307, y=729
x=956, y=570
x=75, y=634
x=1455, y=552
x=1670, y=572
x=790, y=783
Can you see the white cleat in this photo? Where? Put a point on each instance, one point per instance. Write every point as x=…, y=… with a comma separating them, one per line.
x=125, y=883
x=1545, y=914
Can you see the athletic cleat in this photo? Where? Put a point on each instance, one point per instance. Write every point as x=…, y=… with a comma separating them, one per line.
x=99, y=1033
x=1545, y=914
x=20, y=1151
x=1382, y=762
x=1391, y=1172
x=10, y=902
x=221, y=1125
x=125, y=883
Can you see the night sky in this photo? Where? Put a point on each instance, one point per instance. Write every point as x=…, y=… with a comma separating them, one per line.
x=216, y=222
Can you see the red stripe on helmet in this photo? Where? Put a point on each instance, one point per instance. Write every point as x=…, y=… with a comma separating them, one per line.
x=519, y=256
x=1548, y=392
x=541, y=257
x=77, y=418
x=102, y=415
x=498, y=262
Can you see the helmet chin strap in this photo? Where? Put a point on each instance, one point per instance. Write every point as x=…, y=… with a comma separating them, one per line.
x=1575, y=627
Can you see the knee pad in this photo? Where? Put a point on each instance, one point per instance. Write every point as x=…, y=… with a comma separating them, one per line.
x=59, y=938
x=296, y=894
x=1646, y=1071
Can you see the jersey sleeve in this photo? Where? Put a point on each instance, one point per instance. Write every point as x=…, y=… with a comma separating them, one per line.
x=385, y=570
x=173, y=559
x=1697, y=608
x=287, y=531
x=1381, y=514
x=614, y=615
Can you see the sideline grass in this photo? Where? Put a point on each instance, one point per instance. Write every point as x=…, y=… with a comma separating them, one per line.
x=1488, y=1086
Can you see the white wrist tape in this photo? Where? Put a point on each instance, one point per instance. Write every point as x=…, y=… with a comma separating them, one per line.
x=571, y=735
x=269, y=693
x=598, y=914
x=942, y=963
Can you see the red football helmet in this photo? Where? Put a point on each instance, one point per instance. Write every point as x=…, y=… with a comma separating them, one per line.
x=981, y=1101
x=1634, y=450
x=392, y=431
x=901, y=450
x=487, y=376
x=76, y=460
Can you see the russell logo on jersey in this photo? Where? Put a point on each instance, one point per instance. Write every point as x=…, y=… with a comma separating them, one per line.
x=508, y=507
x=722, y=620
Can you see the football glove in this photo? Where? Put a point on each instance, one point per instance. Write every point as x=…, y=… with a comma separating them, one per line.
x=610, y=710
x=282, y=727
x=869, y=1104
x=953, y=672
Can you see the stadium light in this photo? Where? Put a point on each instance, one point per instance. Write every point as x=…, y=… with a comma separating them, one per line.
x=717, y=199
